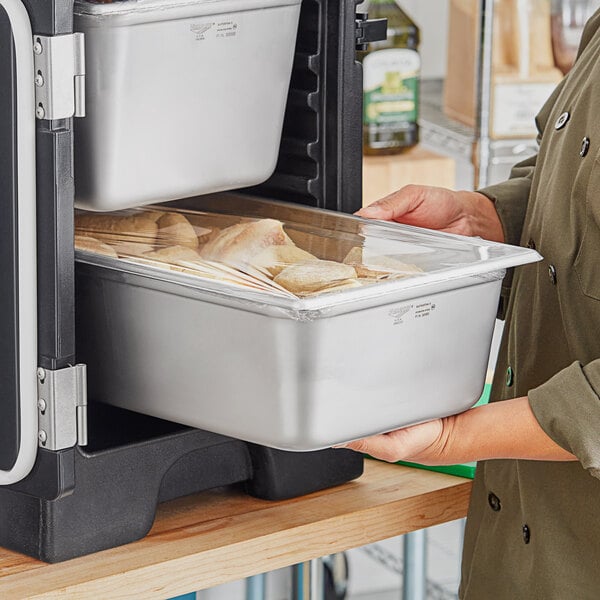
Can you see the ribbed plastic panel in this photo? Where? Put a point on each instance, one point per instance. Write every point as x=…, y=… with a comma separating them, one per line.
x=320, y=159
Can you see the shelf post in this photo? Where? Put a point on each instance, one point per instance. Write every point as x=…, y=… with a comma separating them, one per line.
x=414, y=586
x=481, y=151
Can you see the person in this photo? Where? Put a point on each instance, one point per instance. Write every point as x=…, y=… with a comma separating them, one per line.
x=533, y=527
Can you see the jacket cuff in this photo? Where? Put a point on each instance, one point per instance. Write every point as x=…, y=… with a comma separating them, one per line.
x=510, y=201
x=567, y=408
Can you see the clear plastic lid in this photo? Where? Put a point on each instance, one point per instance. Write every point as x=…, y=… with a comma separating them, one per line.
x=278, y=250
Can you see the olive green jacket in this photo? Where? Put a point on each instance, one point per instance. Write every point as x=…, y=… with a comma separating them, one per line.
x=533, y=529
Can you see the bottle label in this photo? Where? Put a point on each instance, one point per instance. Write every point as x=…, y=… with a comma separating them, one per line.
x=391, y=87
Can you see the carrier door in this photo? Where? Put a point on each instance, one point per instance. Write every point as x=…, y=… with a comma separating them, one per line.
x=18, y=290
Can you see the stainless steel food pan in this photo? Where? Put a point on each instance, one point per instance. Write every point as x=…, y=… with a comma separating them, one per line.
x=298, y=374
x=296, y=379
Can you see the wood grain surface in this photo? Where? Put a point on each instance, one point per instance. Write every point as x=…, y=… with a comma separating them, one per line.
x=223, y=535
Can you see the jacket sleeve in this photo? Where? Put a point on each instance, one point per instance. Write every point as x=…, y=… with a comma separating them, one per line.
x=567, y=407
x=511, y=198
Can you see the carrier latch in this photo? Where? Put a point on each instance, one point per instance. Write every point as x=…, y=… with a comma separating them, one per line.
x=59, y=64
x=373, y=30
x=62, y=407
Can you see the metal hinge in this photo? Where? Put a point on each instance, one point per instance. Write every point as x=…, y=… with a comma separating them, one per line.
x=62, y=406
x=59, y=63
x=373, y=30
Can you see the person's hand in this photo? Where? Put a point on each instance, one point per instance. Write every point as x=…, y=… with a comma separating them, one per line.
x=424, y=443
x=464, y=213
x=507, y=429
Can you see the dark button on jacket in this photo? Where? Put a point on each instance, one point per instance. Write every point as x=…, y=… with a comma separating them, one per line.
x=585, y=147
x=509, y=377
x=494, y=502
x=562, y=120
x=526, y=534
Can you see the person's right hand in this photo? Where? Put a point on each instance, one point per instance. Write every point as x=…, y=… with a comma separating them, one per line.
x=464, y=213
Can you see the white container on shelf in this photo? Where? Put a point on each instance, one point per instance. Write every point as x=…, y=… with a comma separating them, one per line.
x=183, y=97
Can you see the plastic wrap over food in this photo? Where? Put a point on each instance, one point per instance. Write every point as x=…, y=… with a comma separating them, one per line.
x=287, y=251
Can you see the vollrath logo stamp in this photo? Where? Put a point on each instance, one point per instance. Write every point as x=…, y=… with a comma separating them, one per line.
x=199, y=29
x=398, y=313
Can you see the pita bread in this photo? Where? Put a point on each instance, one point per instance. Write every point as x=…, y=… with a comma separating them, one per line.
x=175, y=229
x=347, y=284
x=90, y=244
x=308, y=277
x=240, y=243
x=172, y=254
x=378, y=267
x=276, y=258
x=137, y=228
x=126, y=249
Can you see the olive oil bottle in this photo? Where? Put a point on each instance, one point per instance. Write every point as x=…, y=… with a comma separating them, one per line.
x=391, y=71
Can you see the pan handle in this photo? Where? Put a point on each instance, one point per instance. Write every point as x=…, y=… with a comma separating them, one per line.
x=26, y=262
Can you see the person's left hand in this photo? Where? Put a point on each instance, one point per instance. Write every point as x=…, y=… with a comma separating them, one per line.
x=423, y=443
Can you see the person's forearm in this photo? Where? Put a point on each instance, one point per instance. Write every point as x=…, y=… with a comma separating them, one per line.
x=506, y=429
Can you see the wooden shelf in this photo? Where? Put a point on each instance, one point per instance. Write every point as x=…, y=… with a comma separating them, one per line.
x=223, y=535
